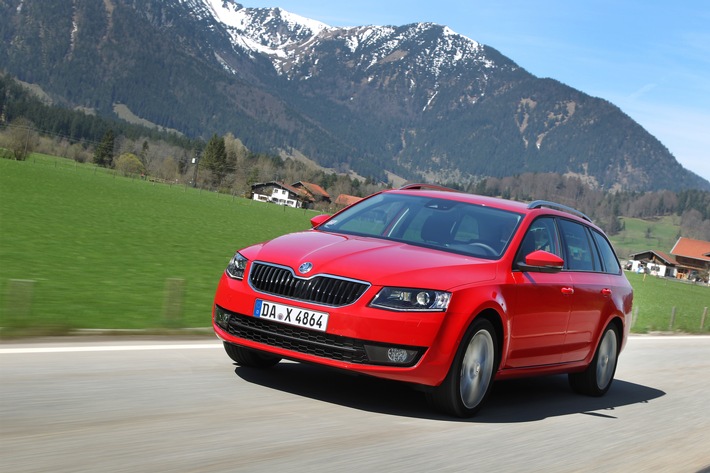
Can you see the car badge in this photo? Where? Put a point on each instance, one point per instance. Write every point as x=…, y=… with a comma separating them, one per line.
x=305, y=268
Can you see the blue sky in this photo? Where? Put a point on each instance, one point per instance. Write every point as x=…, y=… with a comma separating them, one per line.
x=650, y=58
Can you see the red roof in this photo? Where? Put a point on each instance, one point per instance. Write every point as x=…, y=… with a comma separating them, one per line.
x=689, y=248
x=666, y=256
x=293, y=189
x=345, y=199
x=314, y=189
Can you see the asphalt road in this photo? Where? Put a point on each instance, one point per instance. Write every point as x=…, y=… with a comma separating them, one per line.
x=141, y=405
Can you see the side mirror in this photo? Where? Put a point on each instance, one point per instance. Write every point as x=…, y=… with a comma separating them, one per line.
x=542, y=262
x=318, y=219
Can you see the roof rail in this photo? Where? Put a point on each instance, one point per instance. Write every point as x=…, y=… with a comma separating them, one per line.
x=431, y=187
x=537, y=204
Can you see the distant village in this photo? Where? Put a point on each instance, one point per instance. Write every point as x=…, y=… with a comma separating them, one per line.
x=689, y=259
x=298, y=195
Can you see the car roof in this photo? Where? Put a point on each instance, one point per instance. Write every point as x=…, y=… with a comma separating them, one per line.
x=535, y=207
x=467, y=198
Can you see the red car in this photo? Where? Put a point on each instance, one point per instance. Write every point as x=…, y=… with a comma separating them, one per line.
x=444, y=290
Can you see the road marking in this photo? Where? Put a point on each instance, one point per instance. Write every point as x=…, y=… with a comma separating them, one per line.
x=669, y=337
x=98, y=348
x=202, y=346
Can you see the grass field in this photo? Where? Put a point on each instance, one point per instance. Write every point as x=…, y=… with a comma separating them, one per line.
x=655, y=300
x=81, y=247
x=101, y=249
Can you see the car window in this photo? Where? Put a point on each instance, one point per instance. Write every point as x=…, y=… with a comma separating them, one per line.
x=580, y=256
x=372, y=219
x=541, y=235
x=611, y=262
x=454, y=226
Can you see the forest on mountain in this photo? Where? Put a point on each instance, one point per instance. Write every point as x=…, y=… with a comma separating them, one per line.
x=27, y=124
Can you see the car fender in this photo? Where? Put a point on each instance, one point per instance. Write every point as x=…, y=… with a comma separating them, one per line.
x=604, y=323
x=490, y=303
x=618, y=310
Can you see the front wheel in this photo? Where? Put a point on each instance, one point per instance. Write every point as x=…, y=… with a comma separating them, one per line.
x=253, y=359
x=597, y=378
x=470, y=377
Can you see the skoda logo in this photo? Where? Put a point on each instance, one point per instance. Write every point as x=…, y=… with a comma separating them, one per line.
x=305, y=267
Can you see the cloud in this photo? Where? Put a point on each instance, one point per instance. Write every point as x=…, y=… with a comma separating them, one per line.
x=642, y=91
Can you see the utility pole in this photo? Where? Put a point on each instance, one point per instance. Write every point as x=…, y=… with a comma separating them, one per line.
x=196, y=162
x=27, y=143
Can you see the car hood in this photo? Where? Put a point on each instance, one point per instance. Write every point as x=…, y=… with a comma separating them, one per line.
x=378, y=261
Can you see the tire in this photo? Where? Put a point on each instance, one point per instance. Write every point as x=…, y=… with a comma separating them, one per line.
x=470, y=377
x=250, y=358
x=596, y=379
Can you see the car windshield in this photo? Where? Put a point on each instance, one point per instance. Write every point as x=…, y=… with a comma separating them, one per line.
x=448, y=225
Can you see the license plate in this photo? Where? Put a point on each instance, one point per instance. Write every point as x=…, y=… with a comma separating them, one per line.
x=290, y=315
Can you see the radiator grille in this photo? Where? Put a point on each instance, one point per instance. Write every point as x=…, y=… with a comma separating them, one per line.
x=327, y=290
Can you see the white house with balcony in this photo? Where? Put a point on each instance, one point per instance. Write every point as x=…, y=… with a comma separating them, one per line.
x=277, y=193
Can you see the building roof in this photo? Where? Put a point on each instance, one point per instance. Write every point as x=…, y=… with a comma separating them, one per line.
x=652, y=255
x=345, y=200
x=314, y=189
x=689, y=248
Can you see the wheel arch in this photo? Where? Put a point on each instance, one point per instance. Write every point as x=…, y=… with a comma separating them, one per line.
x=619, y=324
x=496, y=320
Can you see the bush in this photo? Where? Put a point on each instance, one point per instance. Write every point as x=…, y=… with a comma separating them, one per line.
x=78, y=153
x=20, y=139
x=128, y=164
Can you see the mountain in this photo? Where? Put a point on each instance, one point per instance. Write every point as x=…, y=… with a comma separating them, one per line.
x=418, y=100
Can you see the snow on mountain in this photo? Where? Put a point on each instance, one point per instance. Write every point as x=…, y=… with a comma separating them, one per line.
x=269, y=31
x=289, y=40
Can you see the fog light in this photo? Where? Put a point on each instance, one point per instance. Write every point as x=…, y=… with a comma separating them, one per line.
x=221, y=317
x=391, y=355
x=397, y=355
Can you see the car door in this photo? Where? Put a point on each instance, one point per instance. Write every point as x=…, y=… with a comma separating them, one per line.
x=591, y=290
x=540, y=308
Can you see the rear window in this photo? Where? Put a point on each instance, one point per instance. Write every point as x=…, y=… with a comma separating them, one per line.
x=611, y=262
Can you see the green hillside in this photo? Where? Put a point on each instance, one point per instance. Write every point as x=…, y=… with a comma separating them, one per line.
x=638, y=235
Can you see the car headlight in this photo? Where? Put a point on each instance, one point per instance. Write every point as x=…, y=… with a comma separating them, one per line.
x=407, y=299
x=236, y=266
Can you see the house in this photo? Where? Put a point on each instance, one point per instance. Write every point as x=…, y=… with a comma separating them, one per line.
x=317, y=193
x=689, y=259
x=693, y=257
x=281, y=194
x=657, y=263
x=299, y=194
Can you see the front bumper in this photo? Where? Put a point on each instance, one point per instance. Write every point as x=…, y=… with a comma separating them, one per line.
x=359, y=338
x=313, y=343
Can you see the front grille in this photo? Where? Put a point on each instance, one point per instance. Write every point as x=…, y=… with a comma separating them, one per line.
x=327, y=290
x=296, y=339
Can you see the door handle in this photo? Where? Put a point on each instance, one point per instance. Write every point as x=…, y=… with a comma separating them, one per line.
x=606, y=291
x=568, y=291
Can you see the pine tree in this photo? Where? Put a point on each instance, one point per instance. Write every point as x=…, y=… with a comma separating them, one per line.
x=103, y=156
x=214, y=158
x=144, y=153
